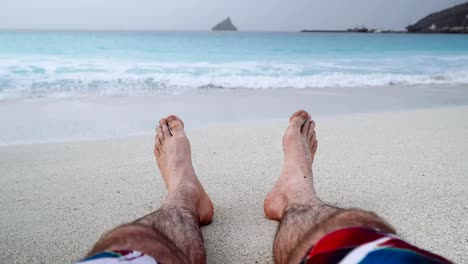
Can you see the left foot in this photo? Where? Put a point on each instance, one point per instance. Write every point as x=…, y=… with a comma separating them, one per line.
x=173, y=155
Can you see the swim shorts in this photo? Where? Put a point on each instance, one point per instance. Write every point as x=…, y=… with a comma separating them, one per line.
x=365, y=246
x=119, y=257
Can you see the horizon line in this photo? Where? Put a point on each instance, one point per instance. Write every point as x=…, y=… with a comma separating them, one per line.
x=165, y=30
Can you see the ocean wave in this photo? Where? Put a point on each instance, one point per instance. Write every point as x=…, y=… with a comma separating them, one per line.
x=68, y=88
x=55, y=78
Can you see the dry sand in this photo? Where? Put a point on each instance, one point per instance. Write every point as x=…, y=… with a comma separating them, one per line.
x=410, y=167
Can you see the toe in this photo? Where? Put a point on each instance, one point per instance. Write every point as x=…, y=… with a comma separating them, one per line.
x=157, y=146
x=313, y=136
x=165, y=128
x=298, y=119
x=306, y=126
x=157, y=152
x=175, y=124
x=311, y=131
x=314, y=147
x=159, y=133
x=159, y=140
x=312, y=124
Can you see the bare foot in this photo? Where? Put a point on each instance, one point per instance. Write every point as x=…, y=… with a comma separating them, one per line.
x=173, y=155
x=295, y=186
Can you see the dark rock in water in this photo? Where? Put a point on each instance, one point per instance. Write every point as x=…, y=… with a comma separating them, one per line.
x=451, y=20
x=225, y=25
x=360, y=30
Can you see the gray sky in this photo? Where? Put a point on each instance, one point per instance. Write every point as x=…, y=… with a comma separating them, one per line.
x=287, y=15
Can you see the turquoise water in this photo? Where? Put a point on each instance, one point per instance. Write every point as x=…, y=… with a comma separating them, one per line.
x=80, y=64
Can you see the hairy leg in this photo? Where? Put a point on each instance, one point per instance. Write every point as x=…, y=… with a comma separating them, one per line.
x=172, y=233
x=304, y=218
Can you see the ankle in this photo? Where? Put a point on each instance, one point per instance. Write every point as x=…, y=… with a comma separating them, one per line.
x=295, y=171
x=180, y=179
x=310, y=202
x=183, y=205
x=299, y=190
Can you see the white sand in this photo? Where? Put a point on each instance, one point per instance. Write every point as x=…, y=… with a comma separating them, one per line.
x=410, y=167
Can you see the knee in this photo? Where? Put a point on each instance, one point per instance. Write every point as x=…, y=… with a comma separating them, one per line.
x=123, y=238
x=139, y=238
x=360, y=218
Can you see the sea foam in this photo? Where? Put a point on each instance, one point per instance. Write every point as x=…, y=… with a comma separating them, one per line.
x=67, y=79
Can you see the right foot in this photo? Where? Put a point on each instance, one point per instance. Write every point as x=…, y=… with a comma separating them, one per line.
x=173, y=155
x=295, y=186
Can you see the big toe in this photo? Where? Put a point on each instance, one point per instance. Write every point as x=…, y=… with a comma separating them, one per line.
x=175, y=123
x=298, y=119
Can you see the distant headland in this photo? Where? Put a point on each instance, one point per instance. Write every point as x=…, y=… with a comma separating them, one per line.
x=225, y=25
x=354, y=30
x=450, y=20
x=453, y=20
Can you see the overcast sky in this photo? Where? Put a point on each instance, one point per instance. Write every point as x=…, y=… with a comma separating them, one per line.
x=271, y=15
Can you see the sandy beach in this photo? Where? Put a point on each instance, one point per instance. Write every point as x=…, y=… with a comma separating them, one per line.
x=408, y=166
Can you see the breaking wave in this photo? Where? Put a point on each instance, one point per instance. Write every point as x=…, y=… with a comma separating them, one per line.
x=58, y=79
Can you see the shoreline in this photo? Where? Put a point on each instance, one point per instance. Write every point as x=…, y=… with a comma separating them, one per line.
x=396, y=164
x=63, y=120
x=224, y=124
